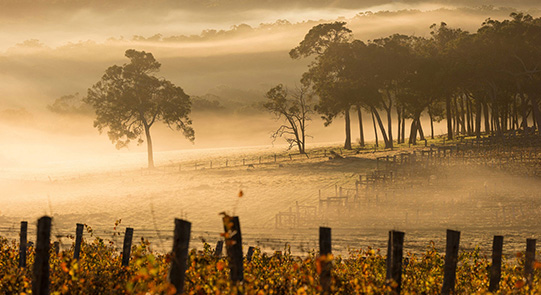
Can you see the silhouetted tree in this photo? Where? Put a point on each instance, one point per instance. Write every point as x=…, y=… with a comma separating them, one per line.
x=324, y=41
x=129, y=99
x=295, y=109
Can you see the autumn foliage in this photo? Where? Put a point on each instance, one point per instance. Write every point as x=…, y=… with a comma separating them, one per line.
x=99, y=271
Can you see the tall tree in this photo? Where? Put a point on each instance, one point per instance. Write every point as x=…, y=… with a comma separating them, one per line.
x=324, y=41
x=129, y=99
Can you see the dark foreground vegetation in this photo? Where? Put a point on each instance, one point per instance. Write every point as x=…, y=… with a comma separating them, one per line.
x=98, y=271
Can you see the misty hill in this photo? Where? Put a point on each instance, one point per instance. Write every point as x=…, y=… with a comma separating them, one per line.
x=239, y=64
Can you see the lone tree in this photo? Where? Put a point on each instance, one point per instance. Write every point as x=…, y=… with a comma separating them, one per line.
x=129, y=100
x=295, y=109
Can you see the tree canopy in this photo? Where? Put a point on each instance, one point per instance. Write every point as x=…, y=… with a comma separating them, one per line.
x=455, y=75
x=129, y=99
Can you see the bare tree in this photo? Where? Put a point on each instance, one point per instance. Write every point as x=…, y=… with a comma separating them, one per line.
x=294, y=109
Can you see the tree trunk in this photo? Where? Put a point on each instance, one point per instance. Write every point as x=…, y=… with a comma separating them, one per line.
x=478, y=118
x=398, y=138
x=431, y=126
x=515, y=114
x=536, y=111
x=302, y=125
x=389, y=127
x=375, y=129
x=472, y=120
x=420, y=128
x=487, y=118
x=382, y=129
x=468, y=112
x=149, y=147
x=497, y=120
x=524, y=105
x=347, y=144
x=361, y=130
x=413, y=132
x=456, y=116
x=505, y=118
x=492, y=121
x=403, y=126
x=299, y=146
x=449, y=118
x=462, y=115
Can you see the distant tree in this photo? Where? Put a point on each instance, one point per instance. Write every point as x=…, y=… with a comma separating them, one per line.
x=128, y=100
x=207, y=103
x=294, y=109
x=70, y=104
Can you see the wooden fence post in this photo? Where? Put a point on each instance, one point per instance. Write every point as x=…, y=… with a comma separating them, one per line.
x=496, y=267
x=395, y=250
x=530, y=259
x=78, y=239
x=126, y=248
x=233, y=245
x=56, y=247
x=325, y=249
x=219, y=248
x=250, y=253
x=40, y=279
x=451, y=259
x=179, y=261
x=22, y=244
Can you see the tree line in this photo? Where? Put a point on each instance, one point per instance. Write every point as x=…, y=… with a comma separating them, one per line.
x=483, y=82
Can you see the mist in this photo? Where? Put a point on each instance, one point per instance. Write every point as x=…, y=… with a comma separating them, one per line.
x=237, y=65
x=226, y=55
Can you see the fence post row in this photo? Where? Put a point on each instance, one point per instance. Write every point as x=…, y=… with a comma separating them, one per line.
x=451, y=259
x=325, y=248
x=394, y=260
x=40, y=269
x=22, y=244
x=179, y=261
x=176, y=275
x=233, y=245
x=126, y=248
x=78, y=240
x=496, y=267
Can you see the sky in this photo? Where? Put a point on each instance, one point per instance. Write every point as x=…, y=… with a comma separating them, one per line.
x=59, y=21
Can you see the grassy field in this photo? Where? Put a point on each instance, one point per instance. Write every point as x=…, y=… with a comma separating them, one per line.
x=480, y=201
